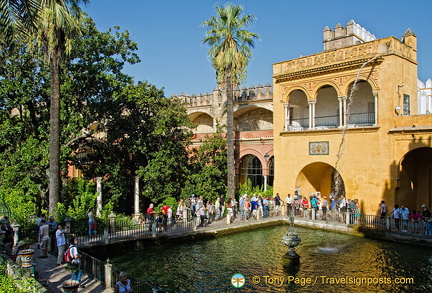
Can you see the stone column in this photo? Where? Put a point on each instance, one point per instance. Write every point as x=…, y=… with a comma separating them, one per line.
x=108, y=274
x=99, y=196
x=345, y=113
x=265, y=182
x=15, y=227
x=136, y=196
x=287, y=116
x=375, y=108
x=312, y=114
x=341, y=110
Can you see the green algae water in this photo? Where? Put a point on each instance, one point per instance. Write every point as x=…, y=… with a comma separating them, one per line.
x=330, y=262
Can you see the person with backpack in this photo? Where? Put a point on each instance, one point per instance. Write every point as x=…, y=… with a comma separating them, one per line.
x=76, y=261
x=61, y=243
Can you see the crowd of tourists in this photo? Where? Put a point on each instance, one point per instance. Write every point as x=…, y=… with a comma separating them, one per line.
x=257, y=206
x=420, y=220
x=248, y=207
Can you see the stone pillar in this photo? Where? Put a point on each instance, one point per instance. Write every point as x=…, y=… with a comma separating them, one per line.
x=313, y=215
x=345, y=113
x=265, y=182
x=375, y=108
x=15, y=227
x=108, y=274
x=287, y=116
x=347, y=218
x=99, y=196
x=136, y=196
x=106, y=235
x=228, y=218
x=341, y=110
x=310, y=114
x=112, y=217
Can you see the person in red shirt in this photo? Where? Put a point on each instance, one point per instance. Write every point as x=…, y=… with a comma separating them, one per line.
x=150, y=216
x=165, y=208
x=305, y=205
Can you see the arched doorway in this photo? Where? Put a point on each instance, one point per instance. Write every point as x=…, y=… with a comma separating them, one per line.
x=251, y=169
x=321, y=177
x=415, y=179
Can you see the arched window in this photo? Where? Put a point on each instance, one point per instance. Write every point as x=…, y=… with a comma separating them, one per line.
x=251, y=169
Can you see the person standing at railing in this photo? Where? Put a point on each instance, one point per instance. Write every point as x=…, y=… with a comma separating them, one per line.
x=405, y=216
x=242, y=208
x=150, y=216
x=91, y=223
x=383, y=211
x=427, y=218
x=305, y=206
x=277, y=202
x=396, y=215
x=179, y=212
x=289, y=202
x=217, y=208
x=324, y=206
x=124, y=285
x=415, y=217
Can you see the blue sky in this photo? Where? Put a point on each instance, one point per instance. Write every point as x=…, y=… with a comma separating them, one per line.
x=169, y=34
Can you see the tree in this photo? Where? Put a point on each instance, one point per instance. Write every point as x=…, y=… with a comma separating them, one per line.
x=230, y=53
x=207, y=172
x=91, y=77
x=58, y=23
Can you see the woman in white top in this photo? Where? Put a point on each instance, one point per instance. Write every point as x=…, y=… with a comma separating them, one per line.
x=124, y=285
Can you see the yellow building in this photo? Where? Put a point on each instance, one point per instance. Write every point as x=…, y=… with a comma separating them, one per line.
x=345, y=121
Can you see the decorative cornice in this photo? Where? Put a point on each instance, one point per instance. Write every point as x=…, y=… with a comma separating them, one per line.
x=354, y=64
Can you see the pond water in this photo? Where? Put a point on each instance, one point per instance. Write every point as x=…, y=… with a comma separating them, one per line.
x=330, y=262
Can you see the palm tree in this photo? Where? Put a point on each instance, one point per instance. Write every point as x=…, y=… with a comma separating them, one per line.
x=54, y=23
x=57, y=25
x=17, y=18
x=230, y=53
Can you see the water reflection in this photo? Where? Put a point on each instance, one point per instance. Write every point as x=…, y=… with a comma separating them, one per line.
x=330, y=262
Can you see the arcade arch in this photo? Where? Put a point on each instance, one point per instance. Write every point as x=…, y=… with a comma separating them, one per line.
x=361, y=104
x=327, y=108
x=320, y=177
x=253, y=119
x=203, y=121
x=415, y=179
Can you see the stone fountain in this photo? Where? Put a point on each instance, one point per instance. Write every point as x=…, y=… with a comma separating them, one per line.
x=291, y=240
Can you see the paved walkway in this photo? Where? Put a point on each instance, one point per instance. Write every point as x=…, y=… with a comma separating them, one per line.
x=52, y=276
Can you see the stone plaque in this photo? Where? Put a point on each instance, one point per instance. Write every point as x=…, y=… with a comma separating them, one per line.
x=319, y=148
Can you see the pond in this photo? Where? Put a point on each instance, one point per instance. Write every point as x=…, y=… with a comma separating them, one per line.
x=330, y=262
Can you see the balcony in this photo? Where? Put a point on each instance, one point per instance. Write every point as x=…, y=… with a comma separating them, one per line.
x=331, y=122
